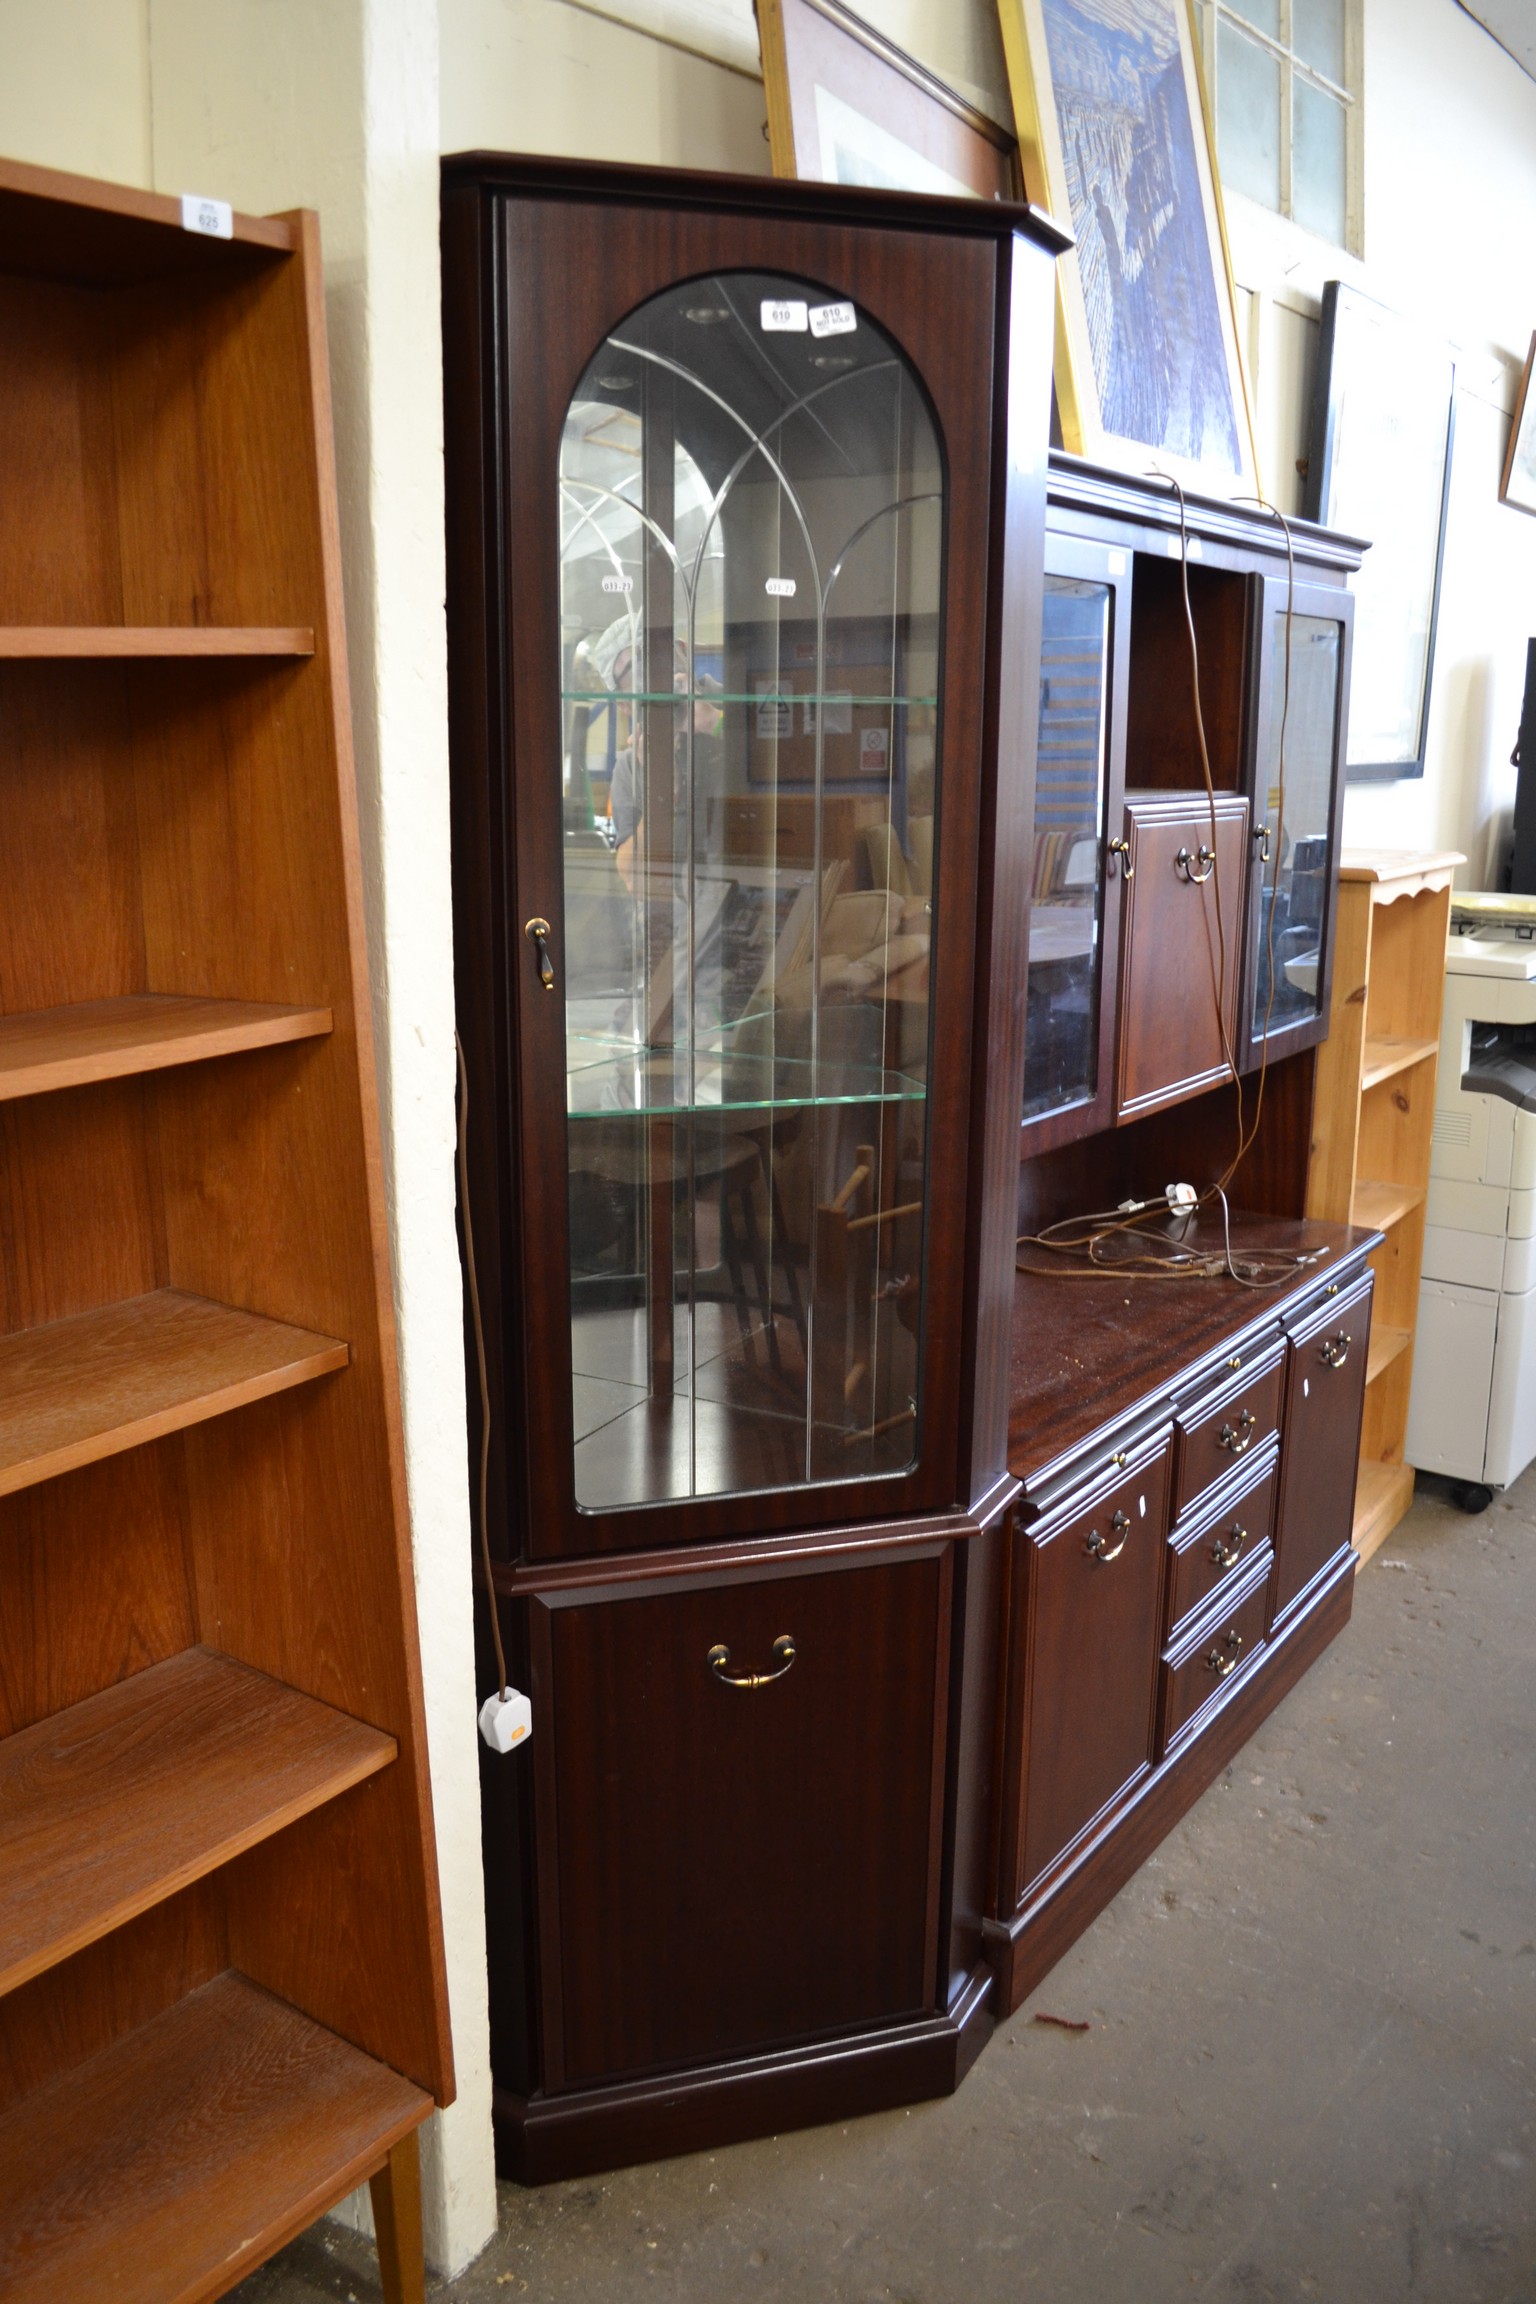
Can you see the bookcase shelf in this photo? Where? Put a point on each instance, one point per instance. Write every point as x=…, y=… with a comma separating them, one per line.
x=175, y=2161
x=78, y=641
x=220, y=1950
x=118, y=1802
x=81, y=1389
x=53, y=1048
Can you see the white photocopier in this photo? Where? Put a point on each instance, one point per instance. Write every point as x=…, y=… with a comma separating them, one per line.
x=1472, y=1411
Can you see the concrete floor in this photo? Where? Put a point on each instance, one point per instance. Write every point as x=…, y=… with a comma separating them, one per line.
x=1311, y=2072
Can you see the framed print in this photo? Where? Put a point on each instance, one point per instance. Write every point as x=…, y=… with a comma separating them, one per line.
x=1114, y=138
x=1379, y=466
x=1518, y=483
x=847, y=106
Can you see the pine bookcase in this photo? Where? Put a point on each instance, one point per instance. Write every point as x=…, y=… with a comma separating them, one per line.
x=220, y=1949
x=1372, y=1117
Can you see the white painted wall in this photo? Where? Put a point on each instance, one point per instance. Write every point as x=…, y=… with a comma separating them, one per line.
x=343, y=105
x=1450, y=221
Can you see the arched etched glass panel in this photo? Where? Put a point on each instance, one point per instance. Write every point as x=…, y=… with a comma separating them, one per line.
x=752, y=521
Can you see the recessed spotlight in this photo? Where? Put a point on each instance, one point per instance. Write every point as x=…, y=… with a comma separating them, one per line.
x=705, y=315
x=832, y=360
x=616, y=383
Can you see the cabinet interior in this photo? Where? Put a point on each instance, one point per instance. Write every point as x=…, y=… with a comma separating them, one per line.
x=1162, y=743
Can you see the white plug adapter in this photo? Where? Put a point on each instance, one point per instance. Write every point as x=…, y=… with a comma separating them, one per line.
x=506, y=1720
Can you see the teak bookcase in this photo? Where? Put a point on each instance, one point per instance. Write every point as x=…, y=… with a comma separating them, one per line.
x=1371, y=1125
x=219, y=1936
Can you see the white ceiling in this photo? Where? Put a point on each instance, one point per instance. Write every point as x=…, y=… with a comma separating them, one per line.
x=1513, y=25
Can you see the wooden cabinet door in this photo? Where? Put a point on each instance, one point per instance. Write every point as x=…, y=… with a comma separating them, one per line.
x=1083, y=1667
x=728, y=1868
x=1320, y=1448
x=1182, y=950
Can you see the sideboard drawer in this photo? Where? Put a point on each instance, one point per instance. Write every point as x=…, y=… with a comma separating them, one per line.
x=1218, y=1645
x=1217, y=1432
x=1218, y=1541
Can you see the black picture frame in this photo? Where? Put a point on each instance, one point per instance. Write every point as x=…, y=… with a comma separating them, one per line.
x=1381, y=440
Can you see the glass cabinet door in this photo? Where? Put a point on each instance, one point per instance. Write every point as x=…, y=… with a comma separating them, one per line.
x=1074, y=906
x=752, y=522
x=1296, y=807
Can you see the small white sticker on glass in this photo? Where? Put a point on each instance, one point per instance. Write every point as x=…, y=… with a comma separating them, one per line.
x=833, y=319
x=215, y=218
x=1116, y=563
x=780, y=587
x=874, y=751
x=784, y=316
x=618, y=583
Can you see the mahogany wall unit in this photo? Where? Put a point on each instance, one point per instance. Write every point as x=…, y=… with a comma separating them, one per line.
x=219, y=1935
x=834, y=1747
x=746, y=485
x=1182, y=1551
x=1121, y=959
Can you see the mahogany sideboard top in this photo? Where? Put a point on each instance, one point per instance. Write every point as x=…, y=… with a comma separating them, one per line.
x=1089, y=1352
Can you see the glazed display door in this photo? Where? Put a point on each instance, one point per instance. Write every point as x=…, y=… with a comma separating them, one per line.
x=1303, y=677
x=749, y=932
x=1074, y=920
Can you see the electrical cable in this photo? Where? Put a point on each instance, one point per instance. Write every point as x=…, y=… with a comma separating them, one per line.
x=485, y=1388
x=1162, y=1257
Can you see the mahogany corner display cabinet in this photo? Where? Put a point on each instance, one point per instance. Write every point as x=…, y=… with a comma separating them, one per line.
x=865, y=1586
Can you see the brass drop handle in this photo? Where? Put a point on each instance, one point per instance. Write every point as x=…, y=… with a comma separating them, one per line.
x=1221, y=1665
x=1122, y=849
x=719, y=1662
x=1236, y=1437
x=1098, y=1546
x=1261, y=834
x=1335, y=1349
x=1186, y=864
x=539, y=933
x=1227, y=1552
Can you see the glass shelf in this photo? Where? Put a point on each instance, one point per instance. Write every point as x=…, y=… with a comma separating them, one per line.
x=607, y=1080
x=601, y=698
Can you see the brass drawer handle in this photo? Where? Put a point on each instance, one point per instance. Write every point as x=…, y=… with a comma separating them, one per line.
x=719, y=1661
x=1222, y=1665
x=1335, y=1350
x=1186, y=864
x=1226, y=1555
x=1122, y=849
x=539, y=932
x=1121, y=1527
x=1236, y=1437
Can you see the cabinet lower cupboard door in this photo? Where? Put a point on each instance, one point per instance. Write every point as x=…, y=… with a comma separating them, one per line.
x=740, y=1813
x=1319, y=1464
x=1085, y=1658
x=1182, y=946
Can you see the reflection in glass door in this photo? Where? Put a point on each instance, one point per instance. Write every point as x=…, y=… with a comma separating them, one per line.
x=1061, y=1064
x=751, y=506
x=1305, y=669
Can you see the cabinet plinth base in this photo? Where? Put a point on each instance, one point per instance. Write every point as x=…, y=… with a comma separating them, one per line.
x=1026, y=1949
x=542, y=2139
